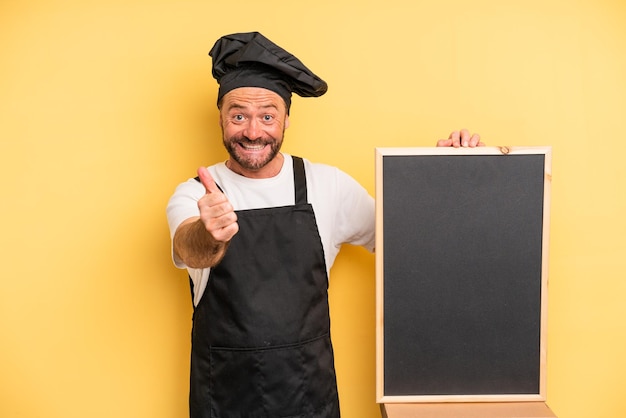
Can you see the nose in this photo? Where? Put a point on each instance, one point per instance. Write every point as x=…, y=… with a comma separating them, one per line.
x=253, y=130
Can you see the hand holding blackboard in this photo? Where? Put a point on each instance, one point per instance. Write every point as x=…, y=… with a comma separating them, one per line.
x=461, y=138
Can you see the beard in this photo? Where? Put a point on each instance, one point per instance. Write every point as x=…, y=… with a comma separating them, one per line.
x=248, y=162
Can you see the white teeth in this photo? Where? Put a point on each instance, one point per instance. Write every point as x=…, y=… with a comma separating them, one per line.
x=253, y=147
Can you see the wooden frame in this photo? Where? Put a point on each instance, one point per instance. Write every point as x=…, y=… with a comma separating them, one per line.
x=499, y=152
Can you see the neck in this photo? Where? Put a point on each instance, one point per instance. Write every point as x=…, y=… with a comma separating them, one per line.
x=269, y=170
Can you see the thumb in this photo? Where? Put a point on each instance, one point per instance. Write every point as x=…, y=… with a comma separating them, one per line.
x=207, y=180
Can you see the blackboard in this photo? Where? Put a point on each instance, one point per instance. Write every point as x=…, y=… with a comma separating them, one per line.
x=461, y=271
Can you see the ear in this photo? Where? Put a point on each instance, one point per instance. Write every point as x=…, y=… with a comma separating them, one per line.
x=286, y=121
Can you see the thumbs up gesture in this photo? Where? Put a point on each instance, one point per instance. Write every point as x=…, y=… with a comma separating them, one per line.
x=216, y=212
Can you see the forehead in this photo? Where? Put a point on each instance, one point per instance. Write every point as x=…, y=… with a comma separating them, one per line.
x=252, y=97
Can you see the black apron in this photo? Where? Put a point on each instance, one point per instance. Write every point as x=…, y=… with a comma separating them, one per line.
x=261, y=343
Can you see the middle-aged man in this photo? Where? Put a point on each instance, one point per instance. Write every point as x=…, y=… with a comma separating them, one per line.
x=258, y=235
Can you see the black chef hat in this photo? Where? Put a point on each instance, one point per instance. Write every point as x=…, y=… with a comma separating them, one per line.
x=252, y=60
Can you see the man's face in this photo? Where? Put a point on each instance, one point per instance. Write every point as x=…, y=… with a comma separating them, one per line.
x=253, y=122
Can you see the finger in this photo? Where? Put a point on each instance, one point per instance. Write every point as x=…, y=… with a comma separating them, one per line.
x=444, y=143
x=474, y=141
x=455, y=137
x=464, y=138
x=218, y=216
x=222, y=223
x=207, y=180
x=214, y=205
x=226, y=233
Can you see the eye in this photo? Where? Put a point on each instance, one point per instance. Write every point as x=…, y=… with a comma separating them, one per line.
x=238, y=118
x=268, y=118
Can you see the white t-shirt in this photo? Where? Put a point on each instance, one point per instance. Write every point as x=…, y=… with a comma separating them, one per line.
x=344, y=211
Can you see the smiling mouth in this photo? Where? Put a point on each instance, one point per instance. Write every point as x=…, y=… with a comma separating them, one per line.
x=252, y=147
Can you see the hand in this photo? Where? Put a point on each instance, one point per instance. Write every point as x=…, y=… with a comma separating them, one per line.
x=461, y=138
x=216, y=212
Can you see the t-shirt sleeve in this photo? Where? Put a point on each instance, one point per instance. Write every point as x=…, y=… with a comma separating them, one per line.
x=355, y=219
x=344, y=209
x=183, y=205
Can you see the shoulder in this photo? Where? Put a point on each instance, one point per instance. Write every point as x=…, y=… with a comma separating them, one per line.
x=321, y=169
x=329, y=176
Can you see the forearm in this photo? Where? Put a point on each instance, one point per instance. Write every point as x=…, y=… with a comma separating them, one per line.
x=196, y=247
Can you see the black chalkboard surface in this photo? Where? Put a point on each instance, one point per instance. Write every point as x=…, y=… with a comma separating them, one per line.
x=461, y=271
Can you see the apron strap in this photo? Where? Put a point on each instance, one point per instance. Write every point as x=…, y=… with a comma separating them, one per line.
x=299, y=180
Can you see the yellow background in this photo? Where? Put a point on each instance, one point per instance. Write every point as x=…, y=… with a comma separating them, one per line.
x=106, y=105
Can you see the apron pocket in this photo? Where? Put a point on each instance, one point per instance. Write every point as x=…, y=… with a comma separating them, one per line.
x=234, y=387
x=299, y=380
x=288, y=381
